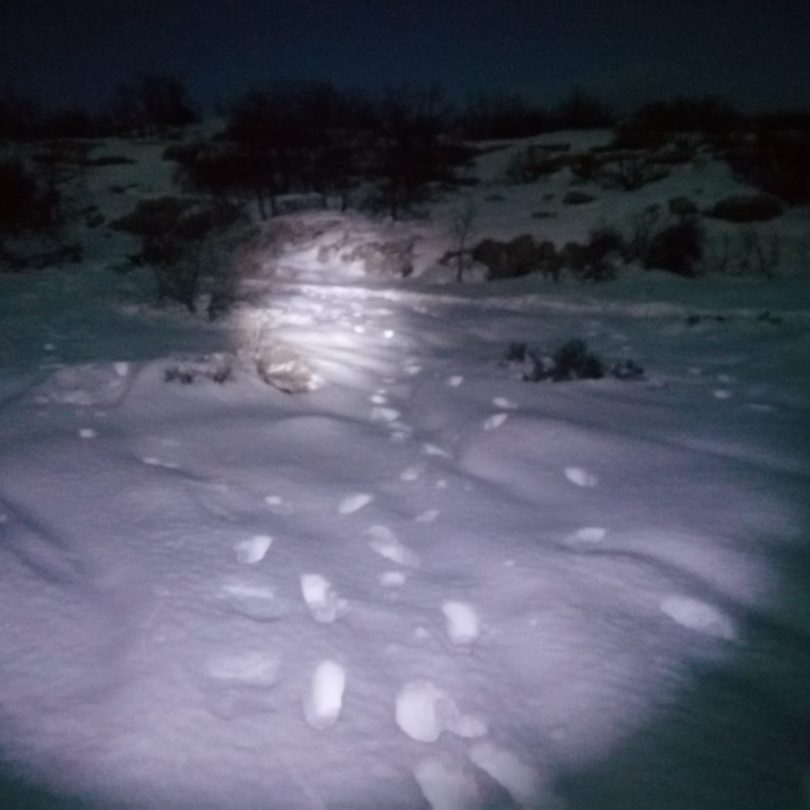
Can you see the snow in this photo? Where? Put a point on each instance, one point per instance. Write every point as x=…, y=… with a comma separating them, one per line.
x=422, y=582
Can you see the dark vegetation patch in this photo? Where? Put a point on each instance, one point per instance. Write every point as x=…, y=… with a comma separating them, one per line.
x=747, y=208
x=573, y=360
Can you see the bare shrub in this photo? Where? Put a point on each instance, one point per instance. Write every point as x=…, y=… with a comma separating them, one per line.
x=676, y=248
x=745, y=253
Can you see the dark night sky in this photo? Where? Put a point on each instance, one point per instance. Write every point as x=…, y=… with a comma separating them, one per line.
x=753, y=51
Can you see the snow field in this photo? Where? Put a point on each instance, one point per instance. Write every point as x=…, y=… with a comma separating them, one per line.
x=425, y=582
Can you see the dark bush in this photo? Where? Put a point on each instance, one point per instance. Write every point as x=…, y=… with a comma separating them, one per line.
x=107, y=160
x=747, y=208
x=585, y=166
x=503, y=117
x=153, y=218
x=573, y=361
x=176, y=272
x=583, y=111
x=22, y=206
x=778, y=162
x=682, y=206
x=521, y=256
x=176, y=241
x=152, y=105
x=593, y=261
x=676, y=248
x=577, y=198
x=534, y=163
x=707, y=115
x=630, y=174
x=634, y=136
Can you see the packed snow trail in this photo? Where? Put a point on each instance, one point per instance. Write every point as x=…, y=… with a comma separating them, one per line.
x=424, y=584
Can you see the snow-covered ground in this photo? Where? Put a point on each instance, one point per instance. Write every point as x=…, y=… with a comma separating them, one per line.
x=424, y=584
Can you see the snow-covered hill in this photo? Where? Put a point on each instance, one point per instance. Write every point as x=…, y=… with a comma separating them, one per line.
x=425, y=582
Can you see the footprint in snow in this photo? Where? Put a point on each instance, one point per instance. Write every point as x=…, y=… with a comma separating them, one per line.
x=699, y=616
x=324, y=700
x=380, y=414
x=324, y=604
x=353, y=503
x=586, y=537
x=504, y=403
x=423, y=712
x=435, y=450
x=157, y=462
x=387, y=545
x=378, y=399
x=581, y=477
x=257, y=602
x=392, y=579
x=410, y=474
x=252, y=551
x=463, y=626
x=428, y=516
x=518, y=778
x=722, y=393
x=446, y=784
x=278, y=506
x=87, y=433
x=455, y=381
x=495, y=421
x=255, y=668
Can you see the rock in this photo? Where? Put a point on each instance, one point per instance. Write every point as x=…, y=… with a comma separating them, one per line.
x=285, y=368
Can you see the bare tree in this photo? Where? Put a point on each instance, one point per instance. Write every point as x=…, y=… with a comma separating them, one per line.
x=151, y=105
x=411, y=145
x=461, y=226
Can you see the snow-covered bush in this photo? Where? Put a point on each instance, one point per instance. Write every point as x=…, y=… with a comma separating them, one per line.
x=216, y=367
